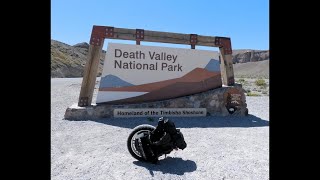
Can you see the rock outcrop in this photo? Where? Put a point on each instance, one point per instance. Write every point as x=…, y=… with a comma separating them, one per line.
x=244, y=56
x=69, y=61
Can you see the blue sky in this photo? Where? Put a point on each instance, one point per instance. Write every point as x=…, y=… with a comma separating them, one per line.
x=246, y=22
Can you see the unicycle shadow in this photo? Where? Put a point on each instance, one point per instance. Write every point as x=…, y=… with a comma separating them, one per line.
x=169, y=165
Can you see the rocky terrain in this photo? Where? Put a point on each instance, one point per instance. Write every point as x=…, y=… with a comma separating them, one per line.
x=254, y=86
x=217, y=147
x=254, y=77
x=258, y=69
x=249, y=55
x=69, y=61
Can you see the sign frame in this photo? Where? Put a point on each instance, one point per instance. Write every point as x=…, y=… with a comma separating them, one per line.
x=100, y=33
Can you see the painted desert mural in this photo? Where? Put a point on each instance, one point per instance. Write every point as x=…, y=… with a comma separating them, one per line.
x=195, y=81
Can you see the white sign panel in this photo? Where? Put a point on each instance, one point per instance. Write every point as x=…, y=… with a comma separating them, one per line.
x=156, y=112
x=137, y=73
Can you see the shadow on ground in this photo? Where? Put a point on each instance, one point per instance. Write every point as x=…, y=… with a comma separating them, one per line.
x=191, y=122
x=169, y=165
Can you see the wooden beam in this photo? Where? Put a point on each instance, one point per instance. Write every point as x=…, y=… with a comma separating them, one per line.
x=163, y=37
x=226, y=67
x=89, y=76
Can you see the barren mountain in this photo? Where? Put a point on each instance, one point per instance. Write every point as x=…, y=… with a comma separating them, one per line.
x=249, y=55
x=259, y=69
x=69, y=61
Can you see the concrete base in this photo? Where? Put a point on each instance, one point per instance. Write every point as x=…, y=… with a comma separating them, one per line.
x=224, y=101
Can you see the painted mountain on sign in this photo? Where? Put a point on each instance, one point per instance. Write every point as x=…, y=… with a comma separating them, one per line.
x=111, y=81
x=197, y=80
x=213, y=65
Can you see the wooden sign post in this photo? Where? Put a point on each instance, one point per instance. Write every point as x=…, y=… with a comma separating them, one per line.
x=99, y=33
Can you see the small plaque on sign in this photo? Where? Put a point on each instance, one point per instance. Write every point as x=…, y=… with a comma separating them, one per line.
x=155, y=112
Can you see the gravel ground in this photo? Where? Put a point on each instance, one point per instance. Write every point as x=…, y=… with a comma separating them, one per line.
x=218, y=147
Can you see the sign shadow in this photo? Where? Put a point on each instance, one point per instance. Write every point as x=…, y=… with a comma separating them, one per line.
x=190, y=122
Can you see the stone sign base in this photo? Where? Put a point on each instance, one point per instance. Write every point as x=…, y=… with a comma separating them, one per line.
x=224, y=101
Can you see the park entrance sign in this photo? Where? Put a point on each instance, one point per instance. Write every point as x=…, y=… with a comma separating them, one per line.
x=100, y=33
x=150, y=81
x=137, y=73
